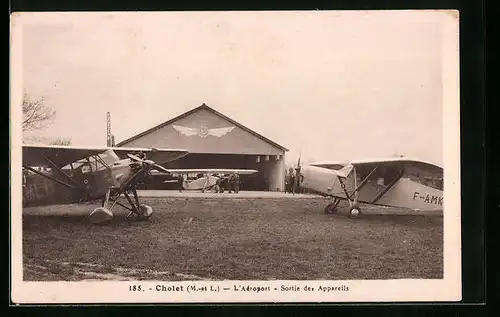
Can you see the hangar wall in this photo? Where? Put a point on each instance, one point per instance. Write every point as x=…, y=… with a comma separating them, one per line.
x=197, y=134
x=274, y=168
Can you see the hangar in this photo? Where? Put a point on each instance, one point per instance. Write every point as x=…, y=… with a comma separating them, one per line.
x=216, y=141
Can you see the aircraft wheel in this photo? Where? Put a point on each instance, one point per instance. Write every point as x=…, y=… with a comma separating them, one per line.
x=146, y=212
x=100, y=215
x=329, y=209
x=354, y=212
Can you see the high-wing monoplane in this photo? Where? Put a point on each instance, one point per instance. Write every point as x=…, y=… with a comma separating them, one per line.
x=55, y=175
x=394, y=182
x=210, y=179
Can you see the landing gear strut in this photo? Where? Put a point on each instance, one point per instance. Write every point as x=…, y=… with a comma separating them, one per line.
x=354, y=210
x=331, y=208
x=137, y=210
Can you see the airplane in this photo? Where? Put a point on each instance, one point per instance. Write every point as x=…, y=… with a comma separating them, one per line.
x=56, y=175
x=211, y=179
x=393, y=182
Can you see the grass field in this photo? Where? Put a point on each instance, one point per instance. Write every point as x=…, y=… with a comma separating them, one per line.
x=251, y=239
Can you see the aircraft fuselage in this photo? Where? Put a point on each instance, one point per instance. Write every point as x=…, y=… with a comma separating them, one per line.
x=393, y=188
x=88, y=185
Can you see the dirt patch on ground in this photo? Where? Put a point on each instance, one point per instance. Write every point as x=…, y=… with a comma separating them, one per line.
x=229, y=239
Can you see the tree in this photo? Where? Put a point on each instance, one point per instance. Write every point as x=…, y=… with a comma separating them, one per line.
x=36, y=114
x=34, y=140
x=50, y=141
x=61, y=141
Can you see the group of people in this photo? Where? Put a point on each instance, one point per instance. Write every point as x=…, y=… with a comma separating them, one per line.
x=290, y=176
x=233, y=182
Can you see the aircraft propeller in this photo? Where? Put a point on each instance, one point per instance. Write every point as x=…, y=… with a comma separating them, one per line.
x=149, y=163
x=297, y=176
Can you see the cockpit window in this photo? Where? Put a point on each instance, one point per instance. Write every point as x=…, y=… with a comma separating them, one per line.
x=109, y=157
x=432, y=177
x=98, y=162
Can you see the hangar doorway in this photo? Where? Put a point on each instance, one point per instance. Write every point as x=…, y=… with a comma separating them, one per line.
x=268, y=178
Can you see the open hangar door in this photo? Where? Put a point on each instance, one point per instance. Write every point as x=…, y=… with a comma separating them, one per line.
x=268, y=178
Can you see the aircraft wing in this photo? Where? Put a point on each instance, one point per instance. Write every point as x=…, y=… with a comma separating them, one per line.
x=338, y=165
x=208, y=171
x=38, y=155
x=159, y=155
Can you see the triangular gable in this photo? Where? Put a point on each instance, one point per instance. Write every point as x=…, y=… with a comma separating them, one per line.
x=204, y=130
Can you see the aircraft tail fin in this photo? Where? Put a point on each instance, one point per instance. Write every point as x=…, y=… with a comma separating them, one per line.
x=345, y=171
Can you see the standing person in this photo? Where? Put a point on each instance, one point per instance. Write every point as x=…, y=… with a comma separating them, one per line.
x=180, y=182
x=218, y=184
x=231, y=182
x=287, y=181
x=236, y=183
x=291, y=178
x=223, y=182
x=300, y=179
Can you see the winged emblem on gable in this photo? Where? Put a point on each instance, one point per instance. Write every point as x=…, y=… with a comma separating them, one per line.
x=203, y=131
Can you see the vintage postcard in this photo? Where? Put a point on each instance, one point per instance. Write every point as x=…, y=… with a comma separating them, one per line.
x=235, y=157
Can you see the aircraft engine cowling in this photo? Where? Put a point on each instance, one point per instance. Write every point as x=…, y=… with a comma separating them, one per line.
x=318, y=180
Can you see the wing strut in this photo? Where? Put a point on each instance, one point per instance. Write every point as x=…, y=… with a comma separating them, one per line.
x=53, y=165
x=50, y=177
x=356, y=187
x=391, y=184
x=365, y=180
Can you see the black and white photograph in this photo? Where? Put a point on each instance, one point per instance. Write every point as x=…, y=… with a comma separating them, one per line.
x=294, y=156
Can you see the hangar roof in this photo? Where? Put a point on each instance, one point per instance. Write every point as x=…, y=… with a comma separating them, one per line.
x=188, y=113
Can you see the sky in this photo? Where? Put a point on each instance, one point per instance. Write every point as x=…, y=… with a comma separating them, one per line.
x=328, y=85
